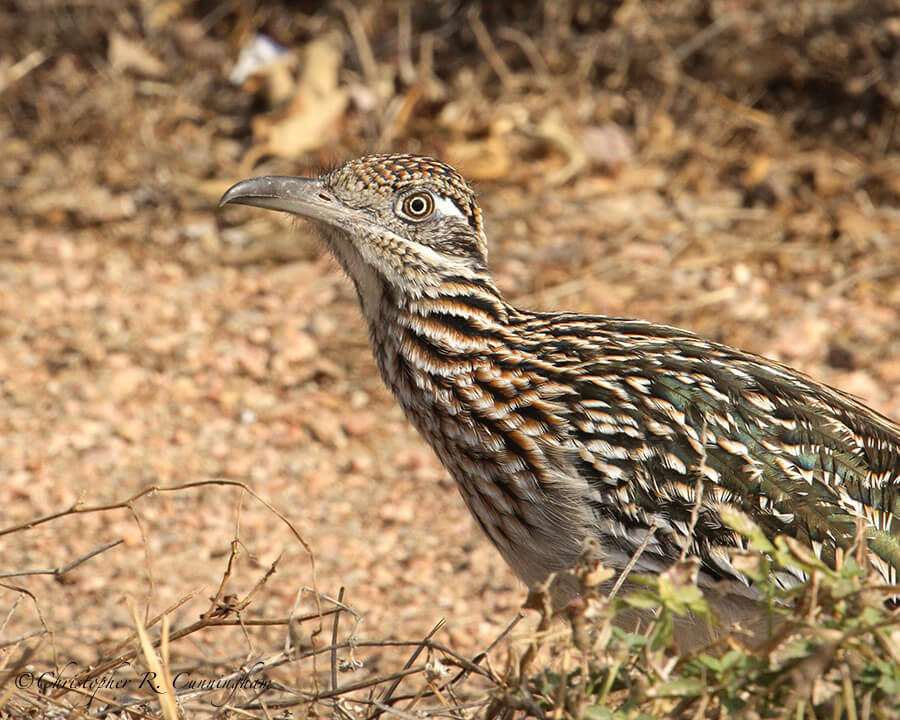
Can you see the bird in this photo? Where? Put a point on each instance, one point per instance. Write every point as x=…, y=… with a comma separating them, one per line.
x=565, y=430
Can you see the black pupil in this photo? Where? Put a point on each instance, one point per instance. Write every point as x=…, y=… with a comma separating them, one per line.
x=417, y=205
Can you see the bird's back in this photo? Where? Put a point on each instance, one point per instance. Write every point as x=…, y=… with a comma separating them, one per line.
x=653, y=407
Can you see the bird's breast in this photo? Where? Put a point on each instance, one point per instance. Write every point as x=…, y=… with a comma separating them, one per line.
x=489, y=433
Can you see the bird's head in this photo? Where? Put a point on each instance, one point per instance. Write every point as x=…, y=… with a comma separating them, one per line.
x=404, y=224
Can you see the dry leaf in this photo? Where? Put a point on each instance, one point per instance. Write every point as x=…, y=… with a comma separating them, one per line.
x=487, y=159
x=126, y=55
x=607, y=146
x=319, y=104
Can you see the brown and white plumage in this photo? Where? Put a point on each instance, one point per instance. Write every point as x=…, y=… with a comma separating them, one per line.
x=559, y=427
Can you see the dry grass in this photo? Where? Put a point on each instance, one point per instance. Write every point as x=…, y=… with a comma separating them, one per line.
x=832, y=651
x=140, y=678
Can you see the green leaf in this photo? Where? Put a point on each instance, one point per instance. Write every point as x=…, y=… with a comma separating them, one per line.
x=682, y=599
x=682, y=687
x=741, y=523
x=643, y=600
x=595, y=712
x=753, y=564
x=708, y=661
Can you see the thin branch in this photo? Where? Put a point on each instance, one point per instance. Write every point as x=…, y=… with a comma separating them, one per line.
x=463, y=674
x=483, y=38
x=361, y=41
x=386, y=698
x=334, y=637
x=78, y=509
x=60, y=571
x=651, y=531
x=698, y=493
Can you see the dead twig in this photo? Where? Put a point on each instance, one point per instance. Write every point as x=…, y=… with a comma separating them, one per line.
x=334, y=636
x=386, y=698
x=78, y=509
x=61, y=571
x=486, y=45
x=698, y=492
x=361, y=42
x=651, y=531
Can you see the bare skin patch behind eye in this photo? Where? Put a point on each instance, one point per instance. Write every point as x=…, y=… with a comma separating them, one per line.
x=446, y=207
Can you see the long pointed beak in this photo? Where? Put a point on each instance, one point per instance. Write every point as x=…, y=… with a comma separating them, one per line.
x=307, y=197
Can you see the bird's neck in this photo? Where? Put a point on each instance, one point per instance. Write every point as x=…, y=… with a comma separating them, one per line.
x=441, y=331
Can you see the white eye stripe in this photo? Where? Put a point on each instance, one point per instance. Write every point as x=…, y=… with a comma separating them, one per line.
x=446, y=207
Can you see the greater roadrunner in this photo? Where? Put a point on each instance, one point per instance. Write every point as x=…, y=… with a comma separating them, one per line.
x=559, y=427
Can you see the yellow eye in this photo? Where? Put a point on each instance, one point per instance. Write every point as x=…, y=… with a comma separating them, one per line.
x=418, y=205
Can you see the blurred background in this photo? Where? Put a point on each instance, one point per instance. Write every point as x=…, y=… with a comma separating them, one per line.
x=727, y=166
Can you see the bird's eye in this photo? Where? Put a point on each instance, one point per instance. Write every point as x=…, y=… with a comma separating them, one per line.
x=418, y=205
